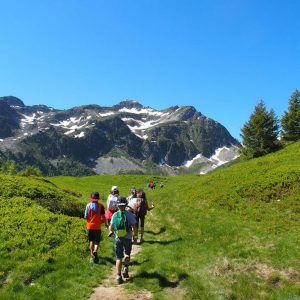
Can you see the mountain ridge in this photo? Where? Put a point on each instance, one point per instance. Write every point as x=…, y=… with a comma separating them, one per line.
x=86, y=133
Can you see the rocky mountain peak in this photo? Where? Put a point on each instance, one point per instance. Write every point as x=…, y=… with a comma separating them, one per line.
x=186, y=112
x=12, y=101
x=129, y=104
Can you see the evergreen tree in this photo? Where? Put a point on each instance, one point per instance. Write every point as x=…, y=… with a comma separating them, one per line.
x=291, y=119
x=260, y=133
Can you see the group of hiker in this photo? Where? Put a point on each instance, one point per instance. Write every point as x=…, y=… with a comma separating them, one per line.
x=123, y=217
x=152, y=185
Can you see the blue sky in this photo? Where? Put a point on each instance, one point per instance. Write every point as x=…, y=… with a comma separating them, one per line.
x=221, y=57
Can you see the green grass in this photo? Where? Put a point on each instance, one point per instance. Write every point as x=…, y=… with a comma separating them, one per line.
x=231, y=234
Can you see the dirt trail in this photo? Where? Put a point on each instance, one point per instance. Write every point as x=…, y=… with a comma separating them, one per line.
x=109, y=289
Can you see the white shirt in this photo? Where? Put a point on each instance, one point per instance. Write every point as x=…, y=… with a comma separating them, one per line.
x=112, y=201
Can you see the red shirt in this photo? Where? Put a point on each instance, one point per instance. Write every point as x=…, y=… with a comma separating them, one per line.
x=94, y=214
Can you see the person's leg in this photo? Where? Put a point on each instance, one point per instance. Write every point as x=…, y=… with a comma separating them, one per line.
x=137, y=221
x=94, y=238
x=92, y=247
x=142, y=228
x=119, y=266
x=91, y=238
x=128, y=248
x=119, y=256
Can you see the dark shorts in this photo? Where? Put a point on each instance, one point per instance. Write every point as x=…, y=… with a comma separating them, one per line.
x=94, y=236
x=122, y=246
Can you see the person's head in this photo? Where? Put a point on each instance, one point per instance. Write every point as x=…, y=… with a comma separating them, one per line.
x=133, y=191
x=121, y=203
x=95, y=196
x=140, y=194
x=114, y=190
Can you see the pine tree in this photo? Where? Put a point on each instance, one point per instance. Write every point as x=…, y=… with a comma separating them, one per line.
x=260, y=133
x=291, y=119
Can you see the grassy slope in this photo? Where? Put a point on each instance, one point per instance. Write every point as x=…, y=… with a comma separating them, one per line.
x=232, y=234
x=43, y=253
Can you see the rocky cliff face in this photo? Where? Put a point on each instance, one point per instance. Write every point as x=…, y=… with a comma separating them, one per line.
x=87, y=137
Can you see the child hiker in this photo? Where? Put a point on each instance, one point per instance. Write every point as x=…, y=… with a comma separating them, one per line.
x=122, y=224
x=95, y=216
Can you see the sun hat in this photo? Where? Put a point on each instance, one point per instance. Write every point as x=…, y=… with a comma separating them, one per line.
x=114, y=188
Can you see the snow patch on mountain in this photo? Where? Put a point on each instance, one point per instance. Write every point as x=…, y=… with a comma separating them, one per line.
x=190, y=162
x=223, y=155
x=148, y=111
x=80, y=135
x=28, y=120
x=106, y=114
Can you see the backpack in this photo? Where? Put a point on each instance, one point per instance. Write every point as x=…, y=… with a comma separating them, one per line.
x=120, y=223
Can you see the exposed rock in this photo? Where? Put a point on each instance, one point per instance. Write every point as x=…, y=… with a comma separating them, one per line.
x=146, y=139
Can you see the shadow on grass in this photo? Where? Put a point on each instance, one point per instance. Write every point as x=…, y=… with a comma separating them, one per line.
x=112, y=261
x=161, y=230
x=107, y=260
x=163, y=281
x=162, y=242
x=136, y=263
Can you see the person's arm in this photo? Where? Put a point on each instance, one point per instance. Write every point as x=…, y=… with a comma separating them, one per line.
x=111, y=227
x=107, y=202
x=102, y=213
x=150, y=207
x=86, y=212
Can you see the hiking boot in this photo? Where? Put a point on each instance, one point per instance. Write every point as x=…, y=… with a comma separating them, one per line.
x=95, y=257
x=125, y=272
x=119, y=279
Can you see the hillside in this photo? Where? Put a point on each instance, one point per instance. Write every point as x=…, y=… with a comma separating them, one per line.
x=231, y=234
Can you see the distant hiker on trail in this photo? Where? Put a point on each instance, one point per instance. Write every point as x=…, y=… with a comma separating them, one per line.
x=95, y=216
x=122, y=224
x=140, y=208
x=161, y=185
x=151, y=185
x=112, y=203
x=132, y=194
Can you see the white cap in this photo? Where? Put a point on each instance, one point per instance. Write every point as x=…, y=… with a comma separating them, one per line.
x=114, y=188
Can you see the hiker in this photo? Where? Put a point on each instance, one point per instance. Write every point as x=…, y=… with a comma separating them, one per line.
x=161, y=185
x=95, y=216
x=122, y=224
x=111, y=203
x=151, y=185
x=132, y=194
x=140, y=208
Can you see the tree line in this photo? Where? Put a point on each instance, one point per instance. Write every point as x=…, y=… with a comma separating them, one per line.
x=262, y=134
